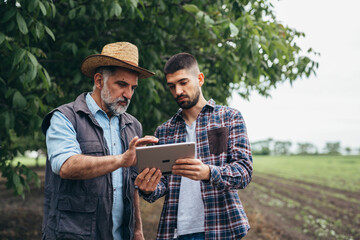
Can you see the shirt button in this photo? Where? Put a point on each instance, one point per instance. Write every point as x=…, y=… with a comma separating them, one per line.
x=114, y=189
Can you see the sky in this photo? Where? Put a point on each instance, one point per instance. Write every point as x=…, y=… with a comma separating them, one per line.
x=322, y=108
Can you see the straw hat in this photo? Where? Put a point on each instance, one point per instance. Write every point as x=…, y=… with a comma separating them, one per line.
x=122, y=54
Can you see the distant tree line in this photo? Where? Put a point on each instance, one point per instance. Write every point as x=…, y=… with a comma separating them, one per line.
x=274, y=147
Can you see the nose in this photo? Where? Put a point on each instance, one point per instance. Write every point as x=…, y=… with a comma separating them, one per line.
x=178, y=90
x=128, y=92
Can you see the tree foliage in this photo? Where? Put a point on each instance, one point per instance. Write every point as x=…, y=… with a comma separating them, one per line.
x=306, y=148
x=239, y=45
x=333, y=148
x=282, y=147
x=262, y=147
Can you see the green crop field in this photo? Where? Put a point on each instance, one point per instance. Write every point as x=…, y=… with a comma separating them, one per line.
x=306, y=197
x=339, y=172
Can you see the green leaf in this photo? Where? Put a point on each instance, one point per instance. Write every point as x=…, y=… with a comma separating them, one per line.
x=112, y=11
x=45, y=77
x=162, y=5
x=233, y=30
x=18, y=100
x=19, y=55
x=82, y=10
x=117, y=9
x=74, y=49
x=32, y=59
x=72, y=4
x=39, y=29
x=21, y=24
x=191, y=8
x=157, y=113
x=50, y=33
x=36, y=104
x=32, y=72
x=32, y=5
x=200, y=15
x=53, y=9
x=72, y=13
x=42, y=8
x=2, y=37
x=17, y=183
x=77, y=78
x=7, y=119
x=2, y=81
x=140, y=14
x=48, y=79
x=208, y=20
x=134, y=2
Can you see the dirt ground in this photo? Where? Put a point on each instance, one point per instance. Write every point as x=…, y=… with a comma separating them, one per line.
x=21, y=219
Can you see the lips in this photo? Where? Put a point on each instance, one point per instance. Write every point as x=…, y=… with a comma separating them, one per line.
x=122, y=102
x=181, y=98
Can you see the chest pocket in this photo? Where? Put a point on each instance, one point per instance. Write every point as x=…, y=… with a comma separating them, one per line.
x=91, y=148
x=218, y=140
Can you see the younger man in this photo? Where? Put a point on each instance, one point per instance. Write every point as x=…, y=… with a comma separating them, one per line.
x=201, y=199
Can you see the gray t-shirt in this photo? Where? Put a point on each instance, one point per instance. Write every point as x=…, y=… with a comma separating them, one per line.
x=191, y=206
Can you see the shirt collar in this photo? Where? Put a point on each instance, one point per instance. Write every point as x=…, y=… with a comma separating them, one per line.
x=92, y=105
x=209, y=105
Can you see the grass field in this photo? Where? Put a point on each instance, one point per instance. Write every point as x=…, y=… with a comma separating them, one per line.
x=30, y=162
x=339, y=172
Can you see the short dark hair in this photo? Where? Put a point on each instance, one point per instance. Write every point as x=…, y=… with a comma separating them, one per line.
x=180, y=61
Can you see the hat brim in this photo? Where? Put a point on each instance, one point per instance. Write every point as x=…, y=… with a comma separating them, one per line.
x=92, y=62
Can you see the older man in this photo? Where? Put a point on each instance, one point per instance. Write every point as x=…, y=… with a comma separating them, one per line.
x=89, y=190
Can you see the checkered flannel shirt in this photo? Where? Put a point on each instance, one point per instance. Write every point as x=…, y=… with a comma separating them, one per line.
x=222, y=143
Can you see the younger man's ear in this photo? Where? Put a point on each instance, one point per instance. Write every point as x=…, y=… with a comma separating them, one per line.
x=201, y=79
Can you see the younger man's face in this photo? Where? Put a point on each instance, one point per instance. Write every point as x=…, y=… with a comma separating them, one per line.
x=184, y=86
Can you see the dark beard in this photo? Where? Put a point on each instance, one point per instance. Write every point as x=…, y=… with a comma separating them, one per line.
x=189, y=104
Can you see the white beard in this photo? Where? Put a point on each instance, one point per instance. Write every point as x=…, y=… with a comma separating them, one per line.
x=113, y=106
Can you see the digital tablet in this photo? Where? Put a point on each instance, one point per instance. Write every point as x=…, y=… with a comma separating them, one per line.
x=163, y=156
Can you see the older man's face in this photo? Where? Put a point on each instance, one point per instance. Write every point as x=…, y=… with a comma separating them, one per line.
x=118, y=90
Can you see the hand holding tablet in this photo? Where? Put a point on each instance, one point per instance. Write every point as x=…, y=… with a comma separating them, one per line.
x=163, y=157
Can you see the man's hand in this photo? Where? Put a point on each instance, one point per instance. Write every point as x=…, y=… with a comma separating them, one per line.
x=129, y=157
x=148, y=179
x=146, y=140
x=191, y=168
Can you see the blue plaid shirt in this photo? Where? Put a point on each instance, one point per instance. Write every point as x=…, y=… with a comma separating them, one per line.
x=222, y=143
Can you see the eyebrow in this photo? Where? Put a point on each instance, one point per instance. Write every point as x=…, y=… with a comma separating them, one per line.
x=123, y=81
x=178, y=81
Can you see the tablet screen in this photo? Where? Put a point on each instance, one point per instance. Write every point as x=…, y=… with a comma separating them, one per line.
x=163, y=156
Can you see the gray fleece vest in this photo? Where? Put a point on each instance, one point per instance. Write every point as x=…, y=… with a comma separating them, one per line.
x=81, y=209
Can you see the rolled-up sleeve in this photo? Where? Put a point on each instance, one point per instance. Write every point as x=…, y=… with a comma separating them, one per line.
x=61, y=141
